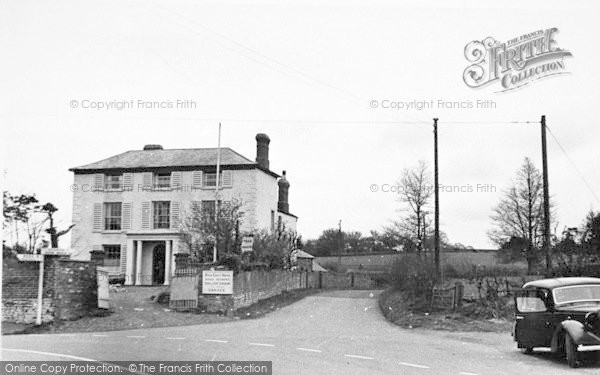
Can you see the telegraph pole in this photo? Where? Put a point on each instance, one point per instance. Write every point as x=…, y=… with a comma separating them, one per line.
x=437, y=199
x=547, y=244
x=340, y=242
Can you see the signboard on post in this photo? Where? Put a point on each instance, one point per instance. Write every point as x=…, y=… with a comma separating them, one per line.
x=247, y=244
x=55, y=251
x=30, y=257
x=217, y=282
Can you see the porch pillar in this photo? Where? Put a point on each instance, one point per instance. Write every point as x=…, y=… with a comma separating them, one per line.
x=138, y=263
x=129, y=269
x=167, y=262
x=174, y=250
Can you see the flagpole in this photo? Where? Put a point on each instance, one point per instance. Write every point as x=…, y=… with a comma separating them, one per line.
x=217, y=196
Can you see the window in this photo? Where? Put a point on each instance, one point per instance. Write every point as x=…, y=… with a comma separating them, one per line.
x=208, y=209
x=112, y=255
x=210, y=179
x=162, y=219
x=162, y=180
x=576, y=293
x=112, y=216
x=114, y=181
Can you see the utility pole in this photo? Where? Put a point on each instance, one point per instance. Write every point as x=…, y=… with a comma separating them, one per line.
x=437, y=199
x=547, y=244
x=340, y=242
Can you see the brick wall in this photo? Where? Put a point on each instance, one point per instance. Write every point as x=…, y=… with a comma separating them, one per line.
x=251, y=287
x=70, y=289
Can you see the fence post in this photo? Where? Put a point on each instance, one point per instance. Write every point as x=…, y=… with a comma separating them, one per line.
x=459, y=289
x=320, y=280
x=352, y=280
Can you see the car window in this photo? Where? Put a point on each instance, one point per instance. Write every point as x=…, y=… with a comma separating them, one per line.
x=577, y=293
x=530, y=302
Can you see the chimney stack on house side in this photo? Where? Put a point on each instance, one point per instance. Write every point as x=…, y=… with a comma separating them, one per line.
x=284, y=187
x=262, y=150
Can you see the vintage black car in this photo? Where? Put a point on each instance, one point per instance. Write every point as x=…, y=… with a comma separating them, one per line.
x=562, y=314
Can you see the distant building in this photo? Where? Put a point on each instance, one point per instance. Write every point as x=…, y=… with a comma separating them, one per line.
x=130, y=204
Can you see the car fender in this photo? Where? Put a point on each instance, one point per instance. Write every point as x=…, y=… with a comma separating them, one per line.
x=574, y=328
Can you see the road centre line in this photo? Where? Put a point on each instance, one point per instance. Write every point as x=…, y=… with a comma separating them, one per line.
x=99, y=335
x=175, y=338
x=219, y=341
x=357, y=356
x=412, y=365
x=259, y=344
x=310, y=350
x=136, y=337
x=467, y=373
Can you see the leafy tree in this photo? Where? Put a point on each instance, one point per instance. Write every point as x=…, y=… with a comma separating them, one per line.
x=20, y=211
x=520, y=213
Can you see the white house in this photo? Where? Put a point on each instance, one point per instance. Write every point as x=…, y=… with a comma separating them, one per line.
x=130, y=204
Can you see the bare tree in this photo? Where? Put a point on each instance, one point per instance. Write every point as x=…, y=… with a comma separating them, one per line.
x=520, y=213
x=54, y=233
x=416, y=190
x=200, y=230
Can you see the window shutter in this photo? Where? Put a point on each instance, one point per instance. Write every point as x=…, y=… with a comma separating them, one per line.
x=175, y=212
x=175, y=180
x=124, y=257
x=147, y=182
x=145, y=215
x=97, y=217
x=126, y=216
x=197, y=179
x=127, y=181
x=98, y=182
x=226, y=179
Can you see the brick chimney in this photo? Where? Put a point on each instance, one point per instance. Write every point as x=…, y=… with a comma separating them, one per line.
x=262, y=150
x=284, y=186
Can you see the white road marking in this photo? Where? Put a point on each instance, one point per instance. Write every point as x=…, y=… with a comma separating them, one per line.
x=309, y=350
x=467, y=373
x=136, y=337
x=259, y=344
x=220, y=341
x=175, y=338
x=357, y=356
x=100, y=335
x=412, y=365
x=50, y=354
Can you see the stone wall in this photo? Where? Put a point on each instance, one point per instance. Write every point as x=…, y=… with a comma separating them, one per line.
x=69, y=292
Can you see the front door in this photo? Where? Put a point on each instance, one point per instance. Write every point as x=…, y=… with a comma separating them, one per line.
x=158, y=264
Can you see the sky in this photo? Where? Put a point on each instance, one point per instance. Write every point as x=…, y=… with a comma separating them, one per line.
x=316, y=76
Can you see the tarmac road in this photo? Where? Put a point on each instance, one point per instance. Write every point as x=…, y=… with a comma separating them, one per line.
x=336, y=332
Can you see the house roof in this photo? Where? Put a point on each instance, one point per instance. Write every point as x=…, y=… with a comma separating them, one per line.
x=170, y=158
x=561, y=281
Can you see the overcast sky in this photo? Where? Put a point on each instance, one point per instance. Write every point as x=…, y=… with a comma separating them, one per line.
x=305, y=73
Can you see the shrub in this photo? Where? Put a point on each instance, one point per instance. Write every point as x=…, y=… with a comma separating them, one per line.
x=414, y=275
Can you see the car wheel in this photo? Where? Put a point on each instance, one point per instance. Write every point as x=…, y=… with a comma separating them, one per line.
x=571, y=351
x=527, y=350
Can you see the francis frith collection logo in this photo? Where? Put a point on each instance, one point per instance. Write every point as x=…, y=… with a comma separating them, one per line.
x=514, y=63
